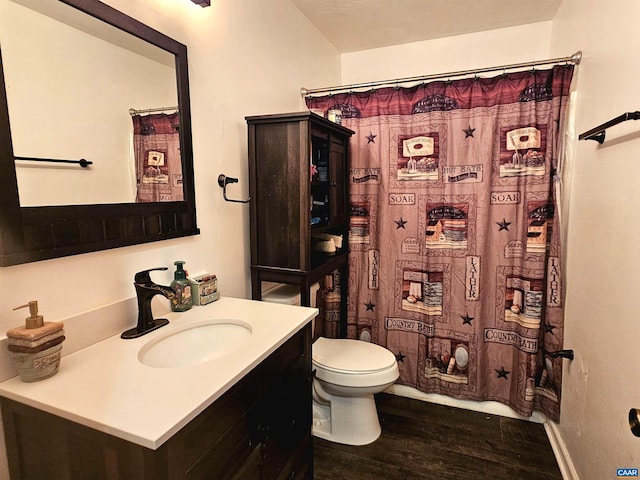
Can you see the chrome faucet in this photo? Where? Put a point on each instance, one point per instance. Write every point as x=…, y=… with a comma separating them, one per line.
x=145, y=291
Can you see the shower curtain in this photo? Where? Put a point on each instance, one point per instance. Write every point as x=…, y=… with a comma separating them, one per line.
x=156, y=145
x=454, y=241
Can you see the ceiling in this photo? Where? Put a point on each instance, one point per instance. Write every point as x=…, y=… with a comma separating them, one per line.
x=352, y=25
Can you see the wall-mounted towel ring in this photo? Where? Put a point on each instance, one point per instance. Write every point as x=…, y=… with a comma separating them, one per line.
x=223, y=181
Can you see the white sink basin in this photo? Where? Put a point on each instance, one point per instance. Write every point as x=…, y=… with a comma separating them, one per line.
x=195, y=343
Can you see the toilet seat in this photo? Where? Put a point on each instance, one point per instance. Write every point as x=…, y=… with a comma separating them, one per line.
x=353, y=362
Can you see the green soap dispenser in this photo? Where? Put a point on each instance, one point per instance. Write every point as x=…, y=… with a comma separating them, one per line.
x=182, y=300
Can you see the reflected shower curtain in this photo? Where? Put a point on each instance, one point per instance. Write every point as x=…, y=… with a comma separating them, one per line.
x=156, y=145
x=454, y=241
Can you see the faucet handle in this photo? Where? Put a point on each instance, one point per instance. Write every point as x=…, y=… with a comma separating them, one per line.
x=144, y=278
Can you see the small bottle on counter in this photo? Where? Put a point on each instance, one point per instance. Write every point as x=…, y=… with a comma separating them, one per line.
x=182, y=300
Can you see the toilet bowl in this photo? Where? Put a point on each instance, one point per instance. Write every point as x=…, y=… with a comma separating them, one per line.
x=347, y=375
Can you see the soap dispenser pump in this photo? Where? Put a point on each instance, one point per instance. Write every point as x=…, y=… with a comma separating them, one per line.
x=33, y=320
x=182, y=300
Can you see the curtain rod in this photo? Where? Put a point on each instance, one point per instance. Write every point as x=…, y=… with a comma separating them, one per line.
x=575, y=59
x=133, y=111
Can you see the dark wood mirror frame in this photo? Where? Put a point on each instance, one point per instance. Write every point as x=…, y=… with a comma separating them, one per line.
x=29, y=234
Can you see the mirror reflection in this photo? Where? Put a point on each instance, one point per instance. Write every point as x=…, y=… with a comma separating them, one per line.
x=78, y=89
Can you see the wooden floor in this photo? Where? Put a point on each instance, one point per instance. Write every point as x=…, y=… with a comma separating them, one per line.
x=422, y=440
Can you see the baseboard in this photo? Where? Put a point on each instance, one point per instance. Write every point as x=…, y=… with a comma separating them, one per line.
x=490, y=407
x=560, y=451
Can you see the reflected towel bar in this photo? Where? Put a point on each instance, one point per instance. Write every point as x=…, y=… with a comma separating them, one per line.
x=82, y=162
x=598, y=133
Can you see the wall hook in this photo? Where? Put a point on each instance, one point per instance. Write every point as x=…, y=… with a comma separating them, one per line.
x=223, y=181
x=634, y=421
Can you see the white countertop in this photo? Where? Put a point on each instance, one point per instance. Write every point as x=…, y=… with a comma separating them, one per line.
x=105, y=387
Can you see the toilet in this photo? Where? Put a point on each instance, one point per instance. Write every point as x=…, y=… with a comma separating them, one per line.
x=347, y=375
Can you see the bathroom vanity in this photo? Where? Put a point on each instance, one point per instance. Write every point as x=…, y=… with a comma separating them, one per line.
x=245, y=414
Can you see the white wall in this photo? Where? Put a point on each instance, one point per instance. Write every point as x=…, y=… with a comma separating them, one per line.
x=603, y=248
x=463, y=52
x=246, y=57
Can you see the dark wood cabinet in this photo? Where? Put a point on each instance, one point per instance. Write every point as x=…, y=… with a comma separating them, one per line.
x=298, y=174
x=259, y=429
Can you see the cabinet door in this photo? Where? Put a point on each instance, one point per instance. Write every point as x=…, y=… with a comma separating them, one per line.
x=286, y=415
x=338, y=179
x=320, y=179
x=329, y=182
x=280, y=194
x=250, y=470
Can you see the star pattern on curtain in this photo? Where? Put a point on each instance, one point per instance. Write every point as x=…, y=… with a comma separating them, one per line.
x=400, y=357
x=371, y=138
x=466, y=319
x=400, y=223
x=468, y=132
x=370, y=306
x=502, y=373
x=504, y=225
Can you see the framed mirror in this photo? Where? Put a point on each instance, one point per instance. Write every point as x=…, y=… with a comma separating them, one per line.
x=141, y=171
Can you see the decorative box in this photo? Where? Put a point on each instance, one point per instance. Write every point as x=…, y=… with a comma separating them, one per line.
x=205, y=289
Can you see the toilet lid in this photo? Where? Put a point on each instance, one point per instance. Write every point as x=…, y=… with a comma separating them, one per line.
x=351, y=356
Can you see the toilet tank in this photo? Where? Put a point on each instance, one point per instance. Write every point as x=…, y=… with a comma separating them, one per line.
x=287, y=294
